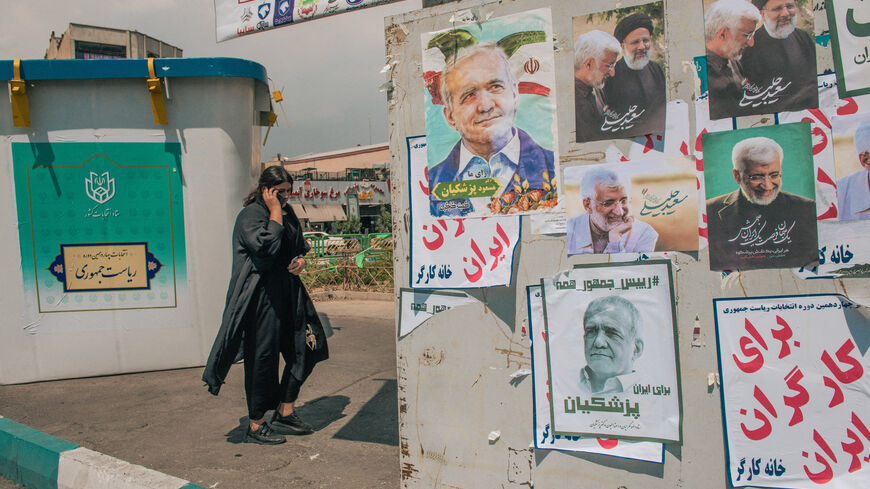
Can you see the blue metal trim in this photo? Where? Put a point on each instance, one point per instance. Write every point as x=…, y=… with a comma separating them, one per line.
x=83, y=69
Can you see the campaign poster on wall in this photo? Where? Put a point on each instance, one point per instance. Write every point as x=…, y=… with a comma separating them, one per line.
x=491, y=116
x=612, y=355
x=545, y=439
x=795, y=391
x=703, y=125
x=100, y=225
x=674, y=141
x=416, y=306
x=620, y=86
x=852, y=165
x=761, y=57
x=849, y=21
x=844, y=249
x=455, y=253
x=761, y=210
x=637, y=206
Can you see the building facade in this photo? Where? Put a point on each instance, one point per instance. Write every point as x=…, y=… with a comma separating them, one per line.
x=331, y=187
x=81, y=41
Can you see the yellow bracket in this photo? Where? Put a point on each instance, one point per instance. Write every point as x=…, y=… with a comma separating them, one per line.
x=18, y=97
x=155, y=87
x=272, y=118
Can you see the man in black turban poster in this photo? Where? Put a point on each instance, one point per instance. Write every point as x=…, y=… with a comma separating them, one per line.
x=636, y=94
x=781, y=63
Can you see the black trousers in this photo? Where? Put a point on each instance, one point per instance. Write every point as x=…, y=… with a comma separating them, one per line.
x=267, y=336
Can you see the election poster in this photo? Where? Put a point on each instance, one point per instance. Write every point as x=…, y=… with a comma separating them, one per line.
x=703, y=125
x=455, y=253
x=100, y=225
x=416, y=306
x=852, y=165
x=761, y=210
x=844, y=249
x=612, y=356
x=234, y=18
x=545, y=439
x=637, y=206
x=620, y=86
x=849, y=21
x=491, y=116
x=795, y=391
x=674, y=141
x=761, y=57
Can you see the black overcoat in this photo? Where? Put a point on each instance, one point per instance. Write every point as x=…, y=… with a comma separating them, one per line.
x=262, y=249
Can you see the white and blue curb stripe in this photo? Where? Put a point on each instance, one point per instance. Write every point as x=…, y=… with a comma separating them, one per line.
x=40, y=461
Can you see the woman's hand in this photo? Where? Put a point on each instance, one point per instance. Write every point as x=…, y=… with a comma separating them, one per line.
x=296, y=265
x=270, y=197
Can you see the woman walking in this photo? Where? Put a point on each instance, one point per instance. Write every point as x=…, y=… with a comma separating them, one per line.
x=268, y=312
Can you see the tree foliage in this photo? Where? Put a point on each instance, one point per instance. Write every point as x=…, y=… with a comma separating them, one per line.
x=350, y=226
x=384, y=222
x=655, y=10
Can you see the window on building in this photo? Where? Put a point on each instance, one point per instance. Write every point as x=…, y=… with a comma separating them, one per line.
x=96, y=50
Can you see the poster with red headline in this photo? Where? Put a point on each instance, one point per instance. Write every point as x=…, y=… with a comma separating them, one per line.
x=455, y=253
x=795, y=379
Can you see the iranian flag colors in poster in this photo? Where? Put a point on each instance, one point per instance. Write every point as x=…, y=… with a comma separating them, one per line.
x=491, y=116
x=795, y=391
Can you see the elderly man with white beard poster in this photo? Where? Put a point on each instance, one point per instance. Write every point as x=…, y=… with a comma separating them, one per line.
x=760, y=224
x=782, y=59
x=612, y=356
x=620, y=83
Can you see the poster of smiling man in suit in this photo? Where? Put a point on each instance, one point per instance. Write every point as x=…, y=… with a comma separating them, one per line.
x=490, y=117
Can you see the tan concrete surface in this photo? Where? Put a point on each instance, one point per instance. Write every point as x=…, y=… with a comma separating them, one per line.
x=168, y=422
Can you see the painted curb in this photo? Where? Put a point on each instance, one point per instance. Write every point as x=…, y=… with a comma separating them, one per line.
x=40, y=461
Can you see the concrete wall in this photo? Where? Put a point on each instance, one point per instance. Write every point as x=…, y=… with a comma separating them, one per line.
x=454, y=370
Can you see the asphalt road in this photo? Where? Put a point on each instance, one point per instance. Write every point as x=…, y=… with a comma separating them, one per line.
x=168, y=422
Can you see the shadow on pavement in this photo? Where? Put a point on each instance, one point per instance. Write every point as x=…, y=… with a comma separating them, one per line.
x=378, y=420
x=238, y=434
x=323, y=411
x=319, y=413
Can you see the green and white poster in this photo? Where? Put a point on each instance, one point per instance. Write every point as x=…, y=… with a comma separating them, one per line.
x=101, y=225
x=850, y=34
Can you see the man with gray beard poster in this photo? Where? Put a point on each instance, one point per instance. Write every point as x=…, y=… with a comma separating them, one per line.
x=760, y=225
x=781, y=64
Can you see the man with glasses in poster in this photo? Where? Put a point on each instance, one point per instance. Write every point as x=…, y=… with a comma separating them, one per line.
x=729, y=27
x=759, y=225
x=608, y=225
x=781, y=63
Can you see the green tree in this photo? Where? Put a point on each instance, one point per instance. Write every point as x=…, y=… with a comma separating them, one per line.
x=384, y=222
x=350, y=226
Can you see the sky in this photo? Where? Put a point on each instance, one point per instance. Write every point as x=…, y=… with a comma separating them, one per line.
x=328, y=69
